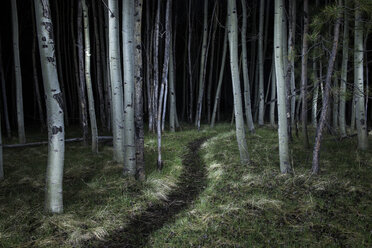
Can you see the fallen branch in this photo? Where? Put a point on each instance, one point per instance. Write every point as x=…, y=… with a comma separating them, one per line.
x=100, y=139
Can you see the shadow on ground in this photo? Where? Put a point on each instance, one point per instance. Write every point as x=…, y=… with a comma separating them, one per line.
x=140, y=227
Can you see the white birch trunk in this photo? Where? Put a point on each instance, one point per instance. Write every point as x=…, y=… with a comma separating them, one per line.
x=128, y=55
x=88, y=79
x=361, y=121
x=285, y=166
x=54, y=104
x=238, y=109
x=116, y=82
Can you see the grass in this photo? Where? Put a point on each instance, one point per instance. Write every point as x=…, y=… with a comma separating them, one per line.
x=255, y=206
x=241, y=206
x=97, y=199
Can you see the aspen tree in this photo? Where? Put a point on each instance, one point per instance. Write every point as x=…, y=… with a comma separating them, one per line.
x=88, y=78
x=361, y=122
x=54, y=104
x=116, y=81
x=285, y=166
x=129, y=101
x=238, y=109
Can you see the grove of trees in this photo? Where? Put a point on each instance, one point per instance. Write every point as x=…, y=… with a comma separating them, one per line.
x=121, y=67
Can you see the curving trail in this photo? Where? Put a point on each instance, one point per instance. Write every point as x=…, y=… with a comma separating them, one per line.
x=140, y=227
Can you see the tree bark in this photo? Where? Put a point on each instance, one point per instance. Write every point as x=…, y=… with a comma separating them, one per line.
x=56, y=130
x=116, y=82
x=129, y=90
x=164, y=78
x=220, y=79
x=285, y=166
x=314, y=109
x=304, y=56
x=203, y=60
x=18, y=75
x=361, y=121
x=82, y=100
x=323, y=115
x=99, y=67
x=140, y=135
x=238, y=109
x=345, y=60
x=191, y=87
x=172, y=90
x=273, y=95
x=261, y=104
x=88, y=79
x=247, y=90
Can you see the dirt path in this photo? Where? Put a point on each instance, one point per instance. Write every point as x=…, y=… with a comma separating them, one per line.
x=140, y=227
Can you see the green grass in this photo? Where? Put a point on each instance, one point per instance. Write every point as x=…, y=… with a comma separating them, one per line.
x=241, y=206
x=97, y=199
x=256, y=206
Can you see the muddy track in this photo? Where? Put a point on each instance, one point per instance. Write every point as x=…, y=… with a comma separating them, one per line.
x=141, y=226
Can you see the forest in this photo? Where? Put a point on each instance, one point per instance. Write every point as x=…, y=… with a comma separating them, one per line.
x=185, y=123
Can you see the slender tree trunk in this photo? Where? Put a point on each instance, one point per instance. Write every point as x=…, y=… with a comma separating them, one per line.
x=335, y=98
x=203, y=60
x=82, y=100
x=56, y=129
x=140, y=134
x=323, y=115
x=238, y=109
x=361, y=121
x=164, y=77
x=5, y=100
x=314, y=109
x=285, y=166
x=292, y=43
x=129, y=90
x=99, y=67
x=18, y=75
x=220, y=79
x=345, y=59
x=304, y=74
x=191, y=87
x=172, y=89
x=88, y=79
x=247, y=91
x=149, y=88
x=156, y=77
x=261, y=112
x=116, y=82
x=273, y=95
x=105, y=74
x=211, y=65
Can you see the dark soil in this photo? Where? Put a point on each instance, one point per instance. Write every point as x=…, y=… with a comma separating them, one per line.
x=140, y=227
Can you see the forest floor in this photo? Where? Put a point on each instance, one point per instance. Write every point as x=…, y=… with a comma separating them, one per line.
x=226, y=205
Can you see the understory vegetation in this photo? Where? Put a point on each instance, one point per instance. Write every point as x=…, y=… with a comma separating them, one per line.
x=241, y=205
